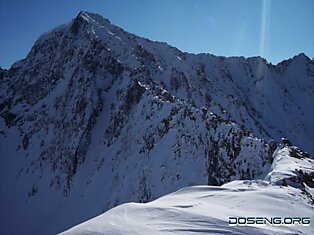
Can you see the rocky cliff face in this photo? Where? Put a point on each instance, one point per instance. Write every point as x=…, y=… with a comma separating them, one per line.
x=95, y=116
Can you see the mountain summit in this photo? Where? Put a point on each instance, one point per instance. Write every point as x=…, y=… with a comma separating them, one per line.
x=95, y=116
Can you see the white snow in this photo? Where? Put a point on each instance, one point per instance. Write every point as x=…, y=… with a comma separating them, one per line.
x=284, y=166
x=205, y=210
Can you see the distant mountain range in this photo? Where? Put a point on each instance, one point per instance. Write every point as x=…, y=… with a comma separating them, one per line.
x=95, y=116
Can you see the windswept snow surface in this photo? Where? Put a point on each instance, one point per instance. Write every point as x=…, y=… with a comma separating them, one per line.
x=205, y=210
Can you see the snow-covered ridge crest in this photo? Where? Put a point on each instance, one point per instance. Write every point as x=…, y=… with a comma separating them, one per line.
x=291, y=166
x=207, y=209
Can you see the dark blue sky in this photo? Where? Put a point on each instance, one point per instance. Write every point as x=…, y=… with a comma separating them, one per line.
x=274, y=29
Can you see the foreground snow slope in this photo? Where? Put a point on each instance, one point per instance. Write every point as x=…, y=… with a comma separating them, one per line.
x=205, y=210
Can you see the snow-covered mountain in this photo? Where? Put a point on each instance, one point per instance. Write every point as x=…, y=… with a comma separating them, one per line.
x=94, y=117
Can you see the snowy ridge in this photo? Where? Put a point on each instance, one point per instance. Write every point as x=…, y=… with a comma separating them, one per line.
x=293, y=167
x=94, y=117
x=206, y=209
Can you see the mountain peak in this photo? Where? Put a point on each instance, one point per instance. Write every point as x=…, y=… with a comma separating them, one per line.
x=92, y=18
x=81, y=19
x=84, y=15
x=84, y=18
x=301, y=56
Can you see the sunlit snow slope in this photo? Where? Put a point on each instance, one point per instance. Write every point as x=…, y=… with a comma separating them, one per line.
x=206, y=209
